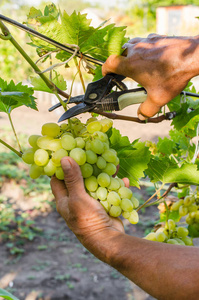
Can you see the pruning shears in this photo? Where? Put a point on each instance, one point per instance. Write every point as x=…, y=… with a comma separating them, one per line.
x=99, y=96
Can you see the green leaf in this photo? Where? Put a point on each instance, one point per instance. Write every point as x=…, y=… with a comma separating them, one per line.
x=174, y=215
x=7, y=295
x=133, y=157
x=167, y=172
x=184, y=116
x=39, y=84
x=193, y=230
x=166, y=146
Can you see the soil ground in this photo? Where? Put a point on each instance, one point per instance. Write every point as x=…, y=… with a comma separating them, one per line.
x=55, y=266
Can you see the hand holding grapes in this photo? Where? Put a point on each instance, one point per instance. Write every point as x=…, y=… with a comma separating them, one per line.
x=84, y=215
x=162, y=65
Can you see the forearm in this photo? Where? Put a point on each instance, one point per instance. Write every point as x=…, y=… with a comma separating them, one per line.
x=164, y=271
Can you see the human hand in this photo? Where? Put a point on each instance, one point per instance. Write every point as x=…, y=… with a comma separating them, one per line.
x=162, y=65
x=84, y=215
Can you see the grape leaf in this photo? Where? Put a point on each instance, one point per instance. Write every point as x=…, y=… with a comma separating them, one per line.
x=166, y=171
x=193, y=230
x=133, y=157
x=12, y=96
x=184, y=115
x=7, y=295
x=174, y=215
x=39, y=84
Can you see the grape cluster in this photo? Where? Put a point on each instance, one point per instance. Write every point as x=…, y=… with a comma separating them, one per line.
x=171, y=234
x=88, y=145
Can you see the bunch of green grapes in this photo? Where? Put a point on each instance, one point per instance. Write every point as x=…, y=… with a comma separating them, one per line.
x=171, y=234
x=88, y=145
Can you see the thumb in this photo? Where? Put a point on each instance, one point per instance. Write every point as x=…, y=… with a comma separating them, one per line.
x=72, y=176
x=148, y=108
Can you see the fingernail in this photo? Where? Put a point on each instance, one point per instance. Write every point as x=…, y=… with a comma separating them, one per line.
x=66, y=164
x=141, y=117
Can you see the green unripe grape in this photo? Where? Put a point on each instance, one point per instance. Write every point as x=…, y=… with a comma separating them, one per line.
x=87, y=170
x=50, y=129
x=106, y=205
x=115, y=211
x=41, y=157
x=150, y=237
x=189, y=220
x=50, y=168
x=103, y=179
x=101, y=163
x=114, y=184
x=33, y=140
x=125, y=192
x=88, y=145
x=193, y=207
x=64, y=126
x=106, y=124
x=91, y=183
x=126, y=205
x=121, y=182
x=80, y=142
x=93, y=195
x=43, y=142
x=188, y=200
x=59, y=173
x=28, y=156
x=160, y=236
x=35, y=171
x=179, y=241
x=106, y=146
x=101, y=136
x=126, y=214
x=134, y=218
x=135, y=202
x=182, y=232
x=188, y=241
x=110, y=169
x=113, y=198
x=68, y=142
x=171, y=224
x=67, y=133
x=97, y=146
x=79, y=155
x=197, y=216
x=54, y=145
x=117, y=161
x=176, y=205
x=183, y=211
x=94, y=126
x=96, y=170
x=172, y=242
x=109, y=155
x=101, y=193
x=91, y=157
x=91, y=119
x=58, y=155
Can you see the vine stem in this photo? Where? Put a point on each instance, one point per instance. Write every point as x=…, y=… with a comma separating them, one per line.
x=143, y=205
x=50, y=84
x=14, y=131
x=11, y=148
x=80, y=74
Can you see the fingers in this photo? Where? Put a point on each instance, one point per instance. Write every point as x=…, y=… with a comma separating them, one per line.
x=148, y=109
x=58, y=188
x=72, y=177
x=126, y=182
x=114, y=64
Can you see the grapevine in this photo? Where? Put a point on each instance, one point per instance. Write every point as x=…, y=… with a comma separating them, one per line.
x=172, y=163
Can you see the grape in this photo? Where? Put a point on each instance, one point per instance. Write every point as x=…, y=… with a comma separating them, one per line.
x=96, y=170
x=106, y=205
x=35, y=171
x=150, y=237
x=115, y=211
x=179, y=241
x=109, y=155
x=28, y=156
x=68, y=142
x=94, y=126
x=97, y=146
x=59, y=173
x=183, y=211
x=135, y=202
x=101, y=193
x=110, y=169
x=182, y=232
x=50, y=129
x=101, y=163
x=87, y=170
x=188, y=200
x=91, y=183
x=91, y=157
x=171, y=224
x=116, y=162
x=193, y=207
x=79, y=155
x=172, y=241
x=121, y=182
x=188, y=241
x=134, y=218
x=93, y=195
x=103, y=179
x=160, y=236
x=106, y=124
x=33, y=140
x=41, y=157
x=91, y=119
x=114, y=184
x=50, y=168
x=58, y=155
x=126, y=205
x=113, y=198
x=43, y=142
x=176, y=205
x=64, y=126
x=101, y=136
x=88, y=145
x=54, y=145
x=126, y=214
x=80, y=143
x=125, y=192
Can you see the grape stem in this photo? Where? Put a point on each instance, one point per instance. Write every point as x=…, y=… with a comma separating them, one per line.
x=147, y=201
x=167, y=116
x=11, y=148
x=14, y=131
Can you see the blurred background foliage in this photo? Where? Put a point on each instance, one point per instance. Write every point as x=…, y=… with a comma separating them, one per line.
x=138, y=15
